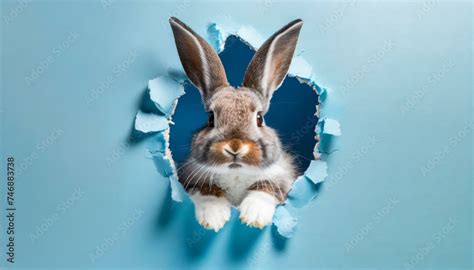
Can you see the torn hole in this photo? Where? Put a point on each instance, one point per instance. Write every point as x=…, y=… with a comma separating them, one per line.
x=293, y=113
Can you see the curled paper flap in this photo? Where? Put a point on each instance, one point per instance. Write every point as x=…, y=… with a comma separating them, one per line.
x=284, y=222
x=149, y=122
x=317, y=171
x=164, y=92
x=332, y=127
x=178, y=193
x=250, y=36
x=157, y=144
x=302, y=192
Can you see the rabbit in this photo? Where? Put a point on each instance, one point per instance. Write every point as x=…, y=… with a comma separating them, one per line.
x=236, y=160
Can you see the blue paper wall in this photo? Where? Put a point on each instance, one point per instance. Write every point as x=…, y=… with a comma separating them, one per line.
x=399, y=190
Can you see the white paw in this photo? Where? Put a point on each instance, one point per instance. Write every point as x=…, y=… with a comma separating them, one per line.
x=257, y=209
x=211, y=212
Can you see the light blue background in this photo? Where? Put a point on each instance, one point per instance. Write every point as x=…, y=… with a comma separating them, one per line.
x=432, y=209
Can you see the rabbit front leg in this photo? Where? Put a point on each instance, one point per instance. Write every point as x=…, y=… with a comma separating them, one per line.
x=258, y=206
x=212, y=209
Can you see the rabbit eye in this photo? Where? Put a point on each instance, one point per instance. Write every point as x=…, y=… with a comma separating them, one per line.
x=259, y=119
x=210, y=119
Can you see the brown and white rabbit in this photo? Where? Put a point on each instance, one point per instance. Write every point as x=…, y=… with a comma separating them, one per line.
x=236, y=160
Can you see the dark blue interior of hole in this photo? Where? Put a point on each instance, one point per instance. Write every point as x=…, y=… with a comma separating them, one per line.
x=291, y=111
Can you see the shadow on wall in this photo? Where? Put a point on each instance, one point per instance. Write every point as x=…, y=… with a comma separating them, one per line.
x=196, y=241
x=292, y=114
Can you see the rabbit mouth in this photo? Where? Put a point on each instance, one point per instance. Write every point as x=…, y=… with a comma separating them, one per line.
x=235, y=165
x=235, y=153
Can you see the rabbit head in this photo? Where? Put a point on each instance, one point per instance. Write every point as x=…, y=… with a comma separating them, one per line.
x=236, y=135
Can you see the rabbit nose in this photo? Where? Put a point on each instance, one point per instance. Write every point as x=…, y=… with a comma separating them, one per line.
x=230, y=152
x=234, y=147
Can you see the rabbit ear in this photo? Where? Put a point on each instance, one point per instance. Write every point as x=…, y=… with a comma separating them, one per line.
x=200, y=62
x=271, y=62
